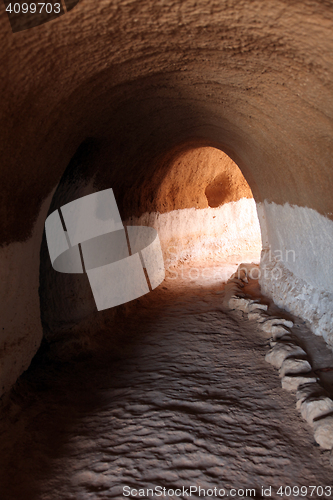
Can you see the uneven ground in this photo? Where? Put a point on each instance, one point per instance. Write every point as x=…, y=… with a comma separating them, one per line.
x=118, y=92
x=186, y=399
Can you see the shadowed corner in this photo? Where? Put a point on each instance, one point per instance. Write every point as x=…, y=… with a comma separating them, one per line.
x=27, y=14
x=70, y=4
x=212, y=122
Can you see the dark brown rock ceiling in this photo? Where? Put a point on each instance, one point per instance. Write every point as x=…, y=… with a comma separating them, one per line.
x=253, y=78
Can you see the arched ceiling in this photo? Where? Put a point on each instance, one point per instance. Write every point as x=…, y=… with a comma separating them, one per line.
x=141, y=77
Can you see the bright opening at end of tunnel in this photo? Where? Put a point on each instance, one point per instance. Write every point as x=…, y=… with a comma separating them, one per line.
x=206, y=217
x=205, y=362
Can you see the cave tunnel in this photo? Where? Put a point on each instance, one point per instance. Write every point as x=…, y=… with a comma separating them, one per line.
x=212, y=123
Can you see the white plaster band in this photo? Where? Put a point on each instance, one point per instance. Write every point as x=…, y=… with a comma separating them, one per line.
x=114, y=261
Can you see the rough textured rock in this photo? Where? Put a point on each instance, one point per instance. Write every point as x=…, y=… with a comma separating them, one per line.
x=239, y=303
x=323, y=429
x=182, y=396
x=285, y=338
x=309, y=391
x=295, y=371
x=292, y=382
x=222, y=68
x=198, y=177
x=316, y=408
x=206, y=233
x=256, y=306
x=138, y=85
x=258, y=315
x=269, y=325
x=294, y=366
x=298, y=296
x=282, y=351
x=280, y=331
x=21, y=331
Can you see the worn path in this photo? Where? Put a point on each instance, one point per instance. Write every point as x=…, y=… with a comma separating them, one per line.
x=188, y=400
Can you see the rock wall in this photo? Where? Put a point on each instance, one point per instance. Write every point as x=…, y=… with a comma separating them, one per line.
x=21, y=327
x=146, y=80
x=296, y=263
x=211, y=233
x=66, y=300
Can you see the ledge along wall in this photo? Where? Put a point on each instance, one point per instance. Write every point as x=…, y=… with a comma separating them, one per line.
x=254, y=79
x=296, y=262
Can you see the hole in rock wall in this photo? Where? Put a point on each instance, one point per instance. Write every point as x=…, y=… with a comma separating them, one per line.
x=227, y=187
x=205, y=210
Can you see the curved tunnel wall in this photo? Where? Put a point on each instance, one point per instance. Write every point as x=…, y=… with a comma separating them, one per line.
x=252, y=78
x=192, y=179
x=203, y=208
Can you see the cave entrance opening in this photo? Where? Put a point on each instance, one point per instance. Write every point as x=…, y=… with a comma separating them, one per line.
x=205, y=215
x=198, y=201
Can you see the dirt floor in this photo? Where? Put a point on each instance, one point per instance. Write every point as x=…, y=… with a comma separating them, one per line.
x=186, y=399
